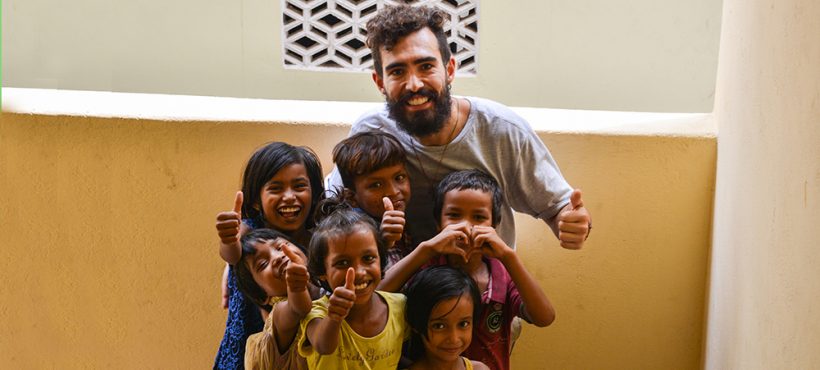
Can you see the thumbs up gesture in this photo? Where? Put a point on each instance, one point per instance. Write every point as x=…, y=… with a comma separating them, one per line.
x=574, y=223
x=296, y=273
x=227, y=223
x=343, y=297
x=229, y=227
x=392, y=226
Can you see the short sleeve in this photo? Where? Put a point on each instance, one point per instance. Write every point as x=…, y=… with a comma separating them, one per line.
x=318, y=311
x=514, y=301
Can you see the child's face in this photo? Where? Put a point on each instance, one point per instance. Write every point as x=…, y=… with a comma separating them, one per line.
x=359, y=251
x=391, y=182
x=450, y=328
x=268, y=265
x=286, y=198
x=470, y=205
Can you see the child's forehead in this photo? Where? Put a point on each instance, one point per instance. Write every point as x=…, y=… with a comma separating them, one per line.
x=383, y=170
x=357, y=241
x=456, y=306
x=468, y=195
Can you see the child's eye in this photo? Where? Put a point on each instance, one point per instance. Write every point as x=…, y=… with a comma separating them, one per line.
x=369, y=259
x=436, y=326
x=374, y=185
x=452, y=215
x=401, y=178
x=261, y=265
x=464, y=324
x=342, y=263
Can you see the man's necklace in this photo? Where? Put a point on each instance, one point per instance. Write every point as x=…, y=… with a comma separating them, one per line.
x=432, y=188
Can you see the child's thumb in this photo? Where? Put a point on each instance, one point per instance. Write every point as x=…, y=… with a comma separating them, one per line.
x=350, y=279
x=388, y=205
x=237, y=203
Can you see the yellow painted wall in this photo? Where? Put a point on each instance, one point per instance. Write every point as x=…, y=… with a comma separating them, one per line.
x=109, y=257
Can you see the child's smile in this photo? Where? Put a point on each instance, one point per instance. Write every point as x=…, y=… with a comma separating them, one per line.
x=359, y=251
x=269, y=263
x=286, y=199
x=450, y=328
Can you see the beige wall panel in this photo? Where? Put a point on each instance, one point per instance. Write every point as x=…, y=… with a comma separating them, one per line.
x=110, y=258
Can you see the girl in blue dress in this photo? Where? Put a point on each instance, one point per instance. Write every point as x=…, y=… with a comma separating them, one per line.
x=280, y=187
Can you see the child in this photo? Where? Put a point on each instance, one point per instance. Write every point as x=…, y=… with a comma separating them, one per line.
x=371, y=165
x=467, y=206
x=282, y=184
x=441, y=305
x=356, y=327
x=272, y=271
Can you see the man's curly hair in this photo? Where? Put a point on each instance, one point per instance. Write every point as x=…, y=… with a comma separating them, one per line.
x=392, y=23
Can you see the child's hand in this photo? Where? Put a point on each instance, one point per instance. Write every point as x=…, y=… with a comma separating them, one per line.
x=296, y=274
x=487, y=242
x=343, y=297
x=392, y=223
x=453, y=239
x=227, y=223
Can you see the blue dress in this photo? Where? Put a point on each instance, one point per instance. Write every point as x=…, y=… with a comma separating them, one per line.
x=244, y=319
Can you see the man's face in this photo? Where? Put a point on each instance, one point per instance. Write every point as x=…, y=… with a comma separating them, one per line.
x=414, y=81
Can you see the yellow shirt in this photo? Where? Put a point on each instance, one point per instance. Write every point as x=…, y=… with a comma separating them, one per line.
x=355, y=351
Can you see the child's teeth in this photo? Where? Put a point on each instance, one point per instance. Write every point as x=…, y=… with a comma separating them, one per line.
x=361, y=286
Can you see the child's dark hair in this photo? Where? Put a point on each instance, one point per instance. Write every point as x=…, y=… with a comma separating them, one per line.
x=335, y=217
x=468, y=179
x=244, y=279
x=366, y=152
x=429, y=287
x=265, y=163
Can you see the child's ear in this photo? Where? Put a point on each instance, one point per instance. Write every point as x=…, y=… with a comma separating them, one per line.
x=350, y=197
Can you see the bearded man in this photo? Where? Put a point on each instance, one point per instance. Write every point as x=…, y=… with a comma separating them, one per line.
x=413, y=69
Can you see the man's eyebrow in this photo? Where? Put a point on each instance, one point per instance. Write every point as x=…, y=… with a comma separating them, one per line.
x=402, y=64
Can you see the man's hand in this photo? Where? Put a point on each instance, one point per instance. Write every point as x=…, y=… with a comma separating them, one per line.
x=343, y=297
x=296, y=273
x=392, y=225
x=228, y=222
x=574, y=223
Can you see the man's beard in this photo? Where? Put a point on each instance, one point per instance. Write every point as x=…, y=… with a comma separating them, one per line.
x=422, y=123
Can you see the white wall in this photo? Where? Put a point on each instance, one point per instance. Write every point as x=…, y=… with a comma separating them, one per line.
x=765, y=282
x=634, y=55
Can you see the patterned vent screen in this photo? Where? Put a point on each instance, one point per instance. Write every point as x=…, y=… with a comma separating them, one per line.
x=330, y=34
